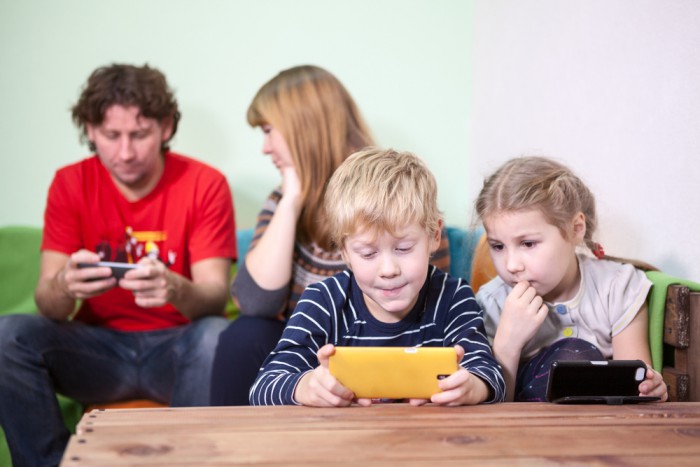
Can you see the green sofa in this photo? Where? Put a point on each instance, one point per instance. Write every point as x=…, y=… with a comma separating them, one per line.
x=19, y=271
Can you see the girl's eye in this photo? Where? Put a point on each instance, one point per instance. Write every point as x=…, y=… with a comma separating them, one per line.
x=266, y=129
x=366, y=254
x=404, y=250
x=529, y=244
x=496, y=246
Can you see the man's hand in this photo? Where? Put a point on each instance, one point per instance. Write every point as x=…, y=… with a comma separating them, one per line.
x=82, y=283
x=319, y=388
x=152, y=284
x=61, y=282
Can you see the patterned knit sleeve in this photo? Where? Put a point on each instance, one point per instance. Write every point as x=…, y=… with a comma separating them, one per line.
x=465, y=326
x=306, y=332
x=250, y=298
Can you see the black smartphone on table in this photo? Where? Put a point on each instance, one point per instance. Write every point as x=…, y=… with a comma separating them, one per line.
x=597, y=382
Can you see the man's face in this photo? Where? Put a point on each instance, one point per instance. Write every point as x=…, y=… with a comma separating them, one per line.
x=129, y=146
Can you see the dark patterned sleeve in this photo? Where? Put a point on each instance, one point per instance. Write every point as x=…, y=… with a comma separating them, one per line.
x=250, y=298
x=465, y=326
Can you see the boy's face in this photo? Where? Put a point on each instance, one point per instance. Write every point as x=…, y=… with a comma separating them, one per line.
x=390, y=270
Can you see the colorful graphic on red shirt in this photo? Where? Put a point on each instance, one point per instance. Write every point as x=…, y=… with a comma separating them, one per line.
x=136, y=245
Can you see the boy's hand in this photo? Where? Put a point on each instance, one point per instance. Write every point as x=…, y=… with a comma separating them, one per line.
x=523, y=313
x=319, y=388
x=654, y=385
x=461, y=387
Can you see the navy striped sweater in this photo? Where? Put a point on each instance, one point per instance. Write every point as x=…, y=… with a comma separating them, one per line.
x=333, y=311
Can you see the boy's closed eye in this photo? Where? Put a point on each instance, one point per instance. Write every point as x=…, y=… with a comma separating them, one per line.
x=404, y=248
x=366, y=254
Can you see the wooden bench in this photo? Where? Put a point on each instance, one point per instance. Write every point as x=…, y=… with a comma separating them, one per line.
x=681, y=361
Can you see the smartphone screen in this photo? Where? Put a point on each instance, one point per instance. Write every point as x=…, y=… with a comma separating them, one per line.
x=595, y=378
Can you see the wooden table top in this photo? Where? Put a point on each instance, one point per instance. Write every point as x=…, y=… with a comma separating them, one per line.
x=390, y=434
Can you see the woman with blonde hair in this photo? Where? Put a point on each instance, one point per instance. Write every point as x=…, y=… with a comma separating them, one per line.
x=311, y=125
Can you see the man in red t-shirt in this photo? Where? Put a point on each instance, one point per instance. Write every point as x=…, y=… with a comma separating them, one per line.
x=151, y=333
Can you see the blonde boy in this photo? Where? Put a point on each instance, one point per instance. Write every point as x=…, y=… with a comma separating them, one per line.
x=381, y=206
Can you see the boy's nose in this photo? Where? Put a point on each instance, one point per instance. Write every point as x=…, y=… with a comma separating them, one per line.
x=389, y=267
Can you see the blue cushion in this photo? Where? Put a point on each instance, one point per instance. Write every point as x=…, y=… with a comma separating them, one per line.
x=462, y=245
x=243, y=238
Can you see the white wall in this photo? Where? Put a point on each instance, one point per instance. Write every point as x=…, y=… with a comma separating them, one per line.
x=610, y=87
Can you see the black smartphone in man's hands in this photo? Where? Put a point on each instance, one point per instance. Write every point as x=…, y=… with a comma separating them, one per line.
x=118, y=269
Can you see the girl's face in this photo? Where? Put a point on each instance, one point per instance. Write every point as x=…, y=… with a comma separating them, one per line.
x=276, y=147
x=525, y=247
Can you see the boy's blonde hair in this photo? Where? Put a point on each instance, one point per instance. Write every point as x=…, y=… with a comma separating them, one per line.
x=536, y=182
x=381, y=189
x=320, y=124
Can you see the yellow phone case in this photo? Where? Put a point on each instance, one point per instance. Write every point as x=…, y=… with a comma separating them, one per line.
x=393, y=372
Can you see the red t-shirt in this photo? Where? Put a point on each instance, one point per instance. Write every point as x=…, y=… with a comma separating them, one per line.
x=187, y=217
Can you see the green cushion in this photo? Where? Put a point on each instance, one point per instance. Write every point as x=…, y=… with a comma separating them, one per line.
x=19, y=268
x=4, y=450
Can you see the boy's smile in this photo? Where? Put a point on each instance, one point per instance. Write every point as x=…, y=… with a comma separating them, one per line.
x=390, y=270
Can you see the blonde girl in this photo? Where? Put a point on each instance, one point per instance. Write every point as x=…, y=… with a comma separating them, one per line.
x=557, y=296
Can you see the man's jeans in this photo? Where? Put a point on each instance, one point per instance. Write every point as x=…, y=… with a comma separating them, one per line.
x=92, y=364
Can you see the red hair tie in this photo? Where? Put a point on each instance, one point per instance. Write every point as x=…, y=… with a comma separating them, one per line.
x=598, y=251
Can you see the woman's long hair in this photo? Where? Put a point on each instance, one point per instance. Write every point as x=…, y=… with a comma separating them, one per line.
x=321, y=125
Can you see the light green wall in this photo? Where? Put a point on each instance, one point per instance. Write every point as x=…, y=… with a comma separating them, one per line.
x=406, y=62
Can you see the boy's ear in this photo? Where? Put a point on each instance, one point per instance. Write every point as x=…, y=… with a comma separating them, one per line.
x=578, y=225
x=436, y=239
x=344, y=255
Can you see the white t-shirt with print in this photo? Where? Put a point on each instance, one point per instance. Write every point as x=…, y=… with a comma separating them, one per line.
x=609, y=297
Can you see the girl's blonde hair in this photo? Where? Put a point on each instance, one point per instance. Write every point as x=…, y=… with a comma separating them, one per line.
x=321, y=125
x=381, y=190
x=534, y=182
